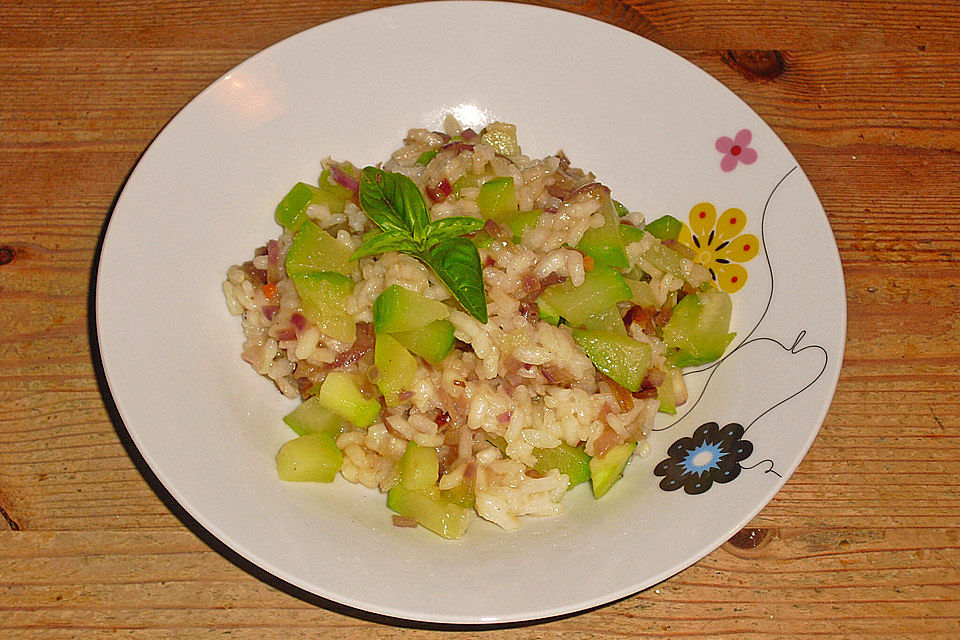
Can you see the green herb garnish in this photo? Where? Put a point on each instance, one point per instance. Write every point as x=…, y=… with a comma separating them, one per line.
x=395, y=204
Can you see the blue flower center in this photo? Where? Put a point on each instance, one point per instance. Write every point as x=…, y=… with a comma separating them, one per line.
x=703, y=458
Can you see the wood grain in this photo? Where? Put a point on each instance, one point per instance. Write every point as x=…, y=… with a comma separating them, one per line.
x=862, y=542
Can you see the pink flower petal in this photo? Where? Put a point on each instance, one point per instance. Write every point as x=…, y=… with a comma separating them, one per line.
x=723, y=144
x=748, y=155
x=729, y=163
x=743, y=137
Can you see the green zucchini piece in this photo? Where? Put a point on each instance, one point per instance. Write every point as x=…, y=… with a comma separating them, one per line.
x=699, y=328
x=419, y=467
x=521, y=222
x=433, y=342
x=323, y=296
x=629, y=234
x=665, y=228
x=620, y=357
x=602, y=288
x=335, y=196
x=310, y=458
x=310, y=417
x=497, y=199
x=572, y=461
x=604, y=244
x=396, y=366
x=313, y=249
x=607, y=320
x=341, y=395
x=399, y=309
x=502, y=137
x=434, y=513
x=607, y=469
x=425, y=157
x=291, y=212
x=642, y=293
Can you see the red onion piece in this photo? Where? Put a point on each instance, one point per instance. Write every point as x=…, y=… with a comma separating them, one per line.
x=299, y=322
x=343, y=178
x=440, y=192
x=469, y=135
x=270, y=310
x=504, y=417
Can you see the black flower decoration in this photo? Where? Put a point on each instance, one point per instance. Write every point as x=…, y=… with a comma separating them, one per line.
x=711, y=455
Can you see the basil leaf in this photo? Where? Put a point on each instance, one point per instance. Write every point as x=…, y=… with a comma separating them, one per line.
x=393, y=201
x=457, y=263
x=451, y=227
x=387, y=241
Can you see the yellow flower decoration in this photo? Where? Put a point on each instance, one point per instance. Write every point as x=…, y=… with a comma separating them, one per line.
x=718, y=244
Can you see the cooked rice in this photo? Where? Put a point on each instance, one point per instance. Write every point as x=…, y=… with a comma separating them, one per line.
x=514, y=365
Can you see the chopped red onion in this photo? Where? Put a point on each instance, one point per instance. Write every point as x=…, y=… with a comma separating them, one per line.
x=504, y=417
x=299, y=322
x=270, y=310
x=440, y=192
x=343, y=178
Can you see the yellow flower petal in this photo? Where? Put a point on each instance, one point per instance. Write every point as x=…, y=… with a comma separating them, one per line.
x=741, y=249
x=730, y=277
x=685, y=237
x=702, y=218
x=730, y=224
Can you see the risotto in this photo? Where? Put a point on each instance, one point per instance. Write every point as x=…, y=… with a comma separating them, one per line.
x=471, y=331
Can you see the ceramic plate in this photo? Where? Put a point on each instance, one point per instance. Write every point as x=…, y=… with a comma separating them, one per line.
x=664, y=135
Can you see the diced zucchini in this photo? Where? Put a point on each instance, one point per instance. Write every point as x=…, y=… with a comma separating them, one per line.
x=436, y=514
x=502, y=137
x=521, y=222
x=547, y=313
x=310, y=417
x=462, y=495
x=399, y=309
x=340, y=394
x=291, y=212
x=396, y=366
x=607, y=320
x=497, y=198
x=467, y=180
x=482, y=239
x=606, y=470
x=665, y=259
x=665, y=228
x=621, y=210
x=310, y=458
x=604, y=244
x=425, y=157
x=572, y=461
x=620, y=357
x=700, y=328
x=642, y=293
x=313, y=249
x=323, y=296
x=433, y=342
x=667, y=392
x=419, y=467
x=334, y=195
x=602, y=288
x=629, y=234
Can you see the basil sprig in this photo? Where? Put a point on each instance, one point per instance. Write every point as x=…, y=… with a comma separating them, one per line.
x=395, y=204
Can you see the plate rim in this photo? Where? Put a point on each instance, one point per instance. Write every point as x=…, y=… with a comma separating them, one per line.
x=333, y=599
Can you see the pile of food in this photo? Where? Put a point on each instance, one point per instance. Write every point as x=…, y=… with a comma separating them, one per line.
x=471, y=330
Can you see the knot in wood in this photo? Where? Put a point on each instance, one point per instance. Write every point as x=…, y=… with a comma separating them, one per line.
x=756, y=64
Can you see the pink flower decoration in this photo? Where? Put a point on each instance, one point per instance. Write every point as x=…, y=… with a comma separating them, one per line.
x=736, y=149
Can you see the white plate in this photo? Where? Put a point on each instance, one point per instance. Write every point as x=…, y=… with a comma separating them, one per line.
x=643, y=119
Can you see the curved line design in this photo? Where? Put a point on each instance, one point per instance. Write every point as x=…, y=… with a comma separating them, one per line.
x=749, y=339
x=767, y=470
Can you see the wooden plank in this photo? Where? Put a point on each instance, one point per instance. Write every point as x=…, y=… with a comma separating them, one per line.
x=754, y=24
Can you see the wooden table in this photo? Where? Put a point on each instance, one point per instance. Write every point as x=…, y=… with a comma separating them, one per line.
x=861, y=543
